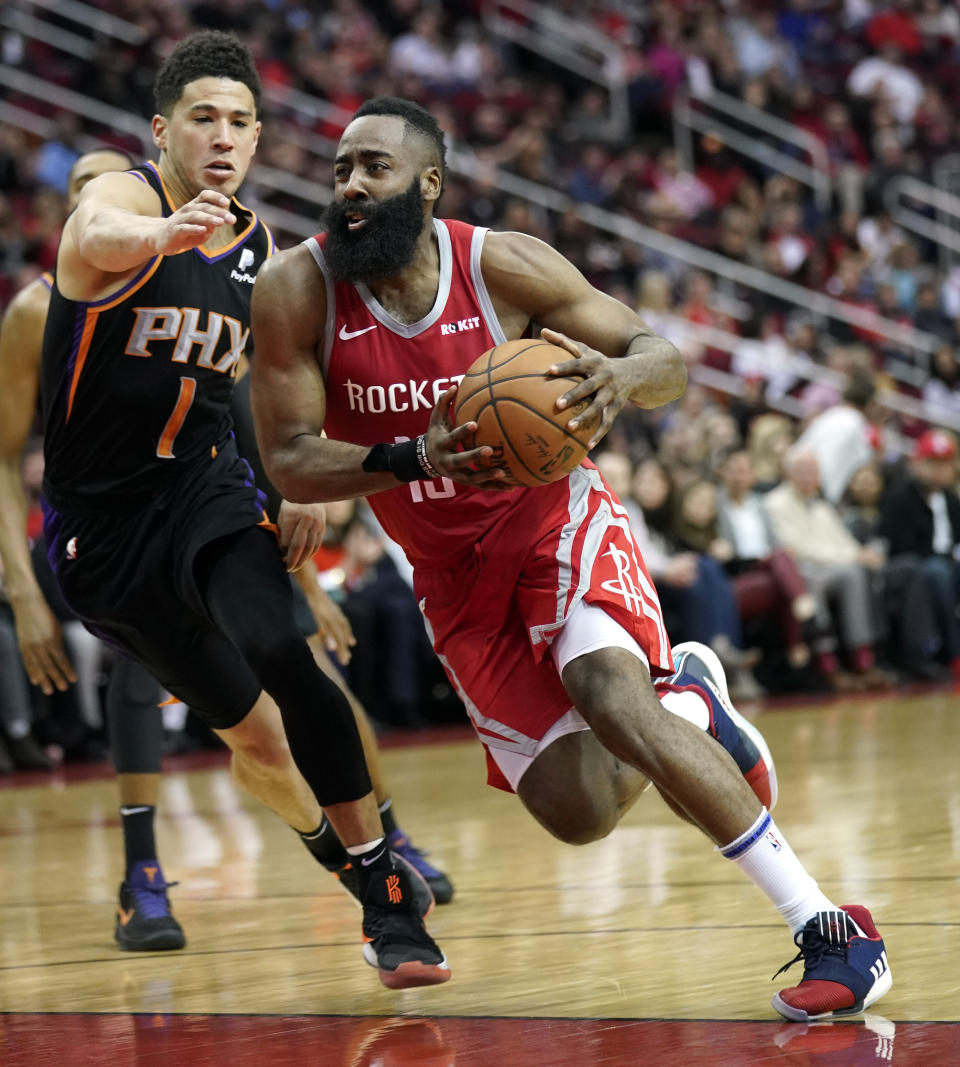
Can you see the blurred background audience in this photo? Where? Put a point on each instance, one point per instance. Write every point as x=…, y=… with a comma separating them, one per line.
x=754, y=176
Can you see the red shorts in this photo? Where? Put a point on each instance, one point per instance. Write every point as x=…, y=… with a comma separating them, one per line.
x=492, y=616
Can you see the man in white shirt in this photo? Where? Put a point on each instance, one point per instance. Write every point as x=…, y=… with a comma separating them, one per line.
x=835, y=565
x=840, y=437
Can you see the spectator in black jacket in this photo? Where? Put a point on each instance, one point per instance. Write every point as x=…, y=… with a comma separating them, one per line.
x=921, y=520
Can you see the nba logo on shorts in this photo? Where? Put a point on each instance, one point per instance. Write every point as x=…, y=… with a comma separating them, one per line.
x=246, y=259
x=72, y=548
x=773, y=841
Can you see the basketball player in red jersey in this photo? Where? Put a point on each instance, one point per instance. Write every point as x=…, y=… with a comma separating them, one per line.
x=153, y=522
x=536, y=600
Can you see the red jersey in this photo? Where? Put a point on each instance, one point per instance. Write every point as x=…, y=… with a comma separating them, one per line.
x=384, y=376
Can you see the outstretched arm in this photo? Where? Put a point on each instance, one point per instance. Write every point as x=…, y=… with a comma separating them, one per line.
x=119, y=225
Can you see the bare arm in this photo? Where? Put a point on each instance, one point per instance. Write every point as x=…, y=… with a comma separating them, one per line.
x=288, y=395
x=118, y=226
x=624, y=360
x=21, y=341
x=332, y=625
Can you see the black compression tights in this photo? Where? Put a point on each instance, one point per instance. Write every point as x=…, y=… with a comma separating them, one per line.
x=134, y=718
x=248, y=594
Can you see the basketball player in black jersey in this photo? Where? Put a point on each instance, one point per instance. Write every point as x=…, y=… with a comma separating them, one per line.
x=133, y=714
x=153, y=523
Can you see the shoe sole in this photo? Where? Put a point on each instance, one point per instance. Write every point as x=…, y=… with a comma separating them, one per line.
x=409, y=975
x=715, y=668
x=163, y=943
x=879, y=988
x=442, y=889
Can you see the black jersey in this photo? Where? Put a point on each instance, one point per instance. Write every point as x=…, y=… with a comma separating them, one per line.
x=136, y=386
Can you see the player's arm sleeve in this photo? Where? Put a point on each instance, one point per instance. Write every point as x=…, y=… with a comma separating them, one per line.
x=247, y=444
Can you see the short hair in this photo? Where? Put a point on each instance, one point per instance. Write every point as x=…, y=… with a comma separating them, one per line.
x=416, y=119
x=108, y=148
x=207, y=54
x=860, y=389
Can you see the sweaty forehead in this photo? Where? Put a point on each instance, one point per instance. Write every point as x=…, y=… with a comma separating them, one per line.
x=224, y=94
x=385, y=133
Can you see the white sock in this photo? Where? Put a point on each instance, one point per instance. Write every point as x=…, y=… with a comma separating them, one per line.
x=362, y=850
x=686, y=705
x=764, y=856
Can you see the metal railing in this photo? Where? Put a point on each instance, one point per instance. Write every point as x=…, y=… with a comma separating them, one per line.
x=265, y=181
x=940, y=225
x=568, y=42
x=93, y=18
x=684, y=333
x=692, y=113
x=19, y=21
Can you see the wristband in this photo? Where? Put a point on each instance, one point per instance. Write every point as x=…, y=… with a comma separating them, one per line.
x=406, y=461
x=424, y=460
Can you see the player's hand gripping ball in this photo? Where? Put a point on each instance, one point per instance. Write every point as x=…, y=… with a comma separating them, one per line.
x=509, y=395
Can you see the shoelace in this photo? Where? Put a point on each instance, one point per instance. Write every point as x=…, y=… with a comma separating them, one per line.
x=400, y=926
x=814, y=947
x=151, y=900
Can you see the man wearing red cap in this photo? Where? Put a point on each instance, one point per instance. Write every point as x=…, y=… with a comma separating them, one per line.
x=921, y=519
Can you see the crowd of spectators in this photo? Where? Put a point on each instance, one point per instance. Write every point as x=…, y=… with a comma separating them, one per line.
x=716, y=483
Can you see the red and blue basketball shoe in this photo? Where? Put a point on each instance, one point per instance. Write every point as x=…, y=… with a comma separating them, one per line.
x=698, y=667
x=845, y=967
x=440, y=884
x=395, y=940
x=145, y=922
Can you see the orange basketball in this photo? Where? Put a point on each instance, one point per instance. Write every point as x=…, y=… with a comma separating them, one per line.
x=511, y=398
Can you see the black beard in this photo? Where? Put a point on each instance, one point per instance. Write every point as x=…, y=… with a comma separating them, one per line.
x=384, y=246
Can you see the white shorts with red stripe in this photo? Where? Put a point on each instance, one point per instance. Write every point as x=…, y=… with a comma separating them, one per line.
x=494, y=618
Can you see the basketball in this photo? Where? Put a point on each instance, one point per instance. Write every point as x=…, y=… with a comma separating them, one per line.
x=509, y=395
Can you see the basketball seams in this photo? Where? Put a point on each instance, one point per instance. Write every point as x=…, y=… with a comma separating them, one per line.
x=508, y=442
x=513, y=405
x=507, y=439
x=486, y=375
x=514, y=355
x=492, y=386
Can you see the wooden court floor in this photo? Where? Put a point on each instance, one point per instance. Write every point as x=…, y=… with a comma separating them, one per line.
x=646, y=948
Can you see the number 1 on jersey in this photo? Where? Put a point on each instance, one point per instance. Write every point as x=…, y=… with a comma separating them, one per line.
x=188, y=389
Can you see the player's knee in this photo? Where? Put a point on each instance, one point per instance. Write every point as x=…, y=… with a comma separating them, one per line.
x=575, y=816
x=588, y=827
x=280, y=658
x=266, y=751
x=577, y=824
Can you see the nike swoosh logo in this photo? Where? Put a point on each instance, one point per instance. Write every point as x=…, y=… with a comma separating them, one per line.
x=124, y=916
x=346, y=335
x=373, y=859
